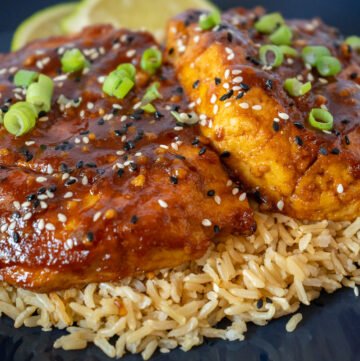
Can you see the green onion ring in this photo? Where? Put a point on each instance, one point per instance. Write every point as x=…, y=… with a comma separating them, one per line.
x=268, y=23
x=24, y=78
x=73, y=60
x=209, y=21
x=328, y=66
x=282, y=36
x=275, y=50
x=20, y=118
x=151, y=60
x=311, y=54
x=295, y=88
x=40, y=93
x=321, y=119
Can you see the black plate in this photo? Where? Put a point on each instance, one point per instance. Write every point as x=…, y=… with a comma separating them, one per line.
x=330, y=330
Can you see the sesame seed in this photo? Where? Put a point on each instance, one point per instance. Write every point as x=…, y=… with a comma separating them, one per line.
x=130, y=53
x=41, y=224
x=227, y=71
x=16, y=204
x=97, y=215
x=244, y=105
x=50, y=227
x=280, y=205
x=340, y=188
x=242, y=197
x=236, y=71
x=283, y=116
x=217, y=199
x=43, y=205
x=213, y=99
x=216, y=109
x=27, y=216
x=238, y=79
x=235, y=191
x=62, y=218
x=162, y=203
x=206, y=222
x=68, y=194
x=41, y=179
x=256, y=107
x=90, y=105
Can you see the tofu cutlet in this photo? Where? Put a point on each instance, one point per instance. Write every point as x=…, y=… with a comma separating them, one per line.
x=262, y=133
x=99, y=189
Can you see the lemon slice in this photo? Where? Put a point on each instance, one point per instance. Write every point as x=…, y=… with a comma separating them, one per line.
x=151, y=15
x=42, y=24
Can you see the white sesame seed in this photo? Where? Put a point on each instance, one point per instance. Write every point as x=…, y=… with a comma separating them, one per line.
x=242, y=197
x=217, y=200
x=42, y=197
x=283, y=116
x=62, y=218
x=77, y=140
x=41, y=224
x=196, y=39
x=90, y=105
x=27, y=216
x=280, y=205
x=236, y=72
x=277, y=120
x=130, y=53
x=340, y=188
x=50, y=194
x=26, y=204
x=84, y=180
x=231, y=56
x=50, y=227
x=235, y=191
x=229, y=183
x=123, y=118
x=12, y=225
x=41, y=179
x=97, y=215
x=50, y=169
x=244, y=105
x=238, y=79
x=65, y=176
x=4, y=227
x=226, y=85
x=162, y=203
x=257, y=107
x=227, y=73
x=213, y=99
x=43, y=205
x=216, y=109
x=206, y=223
x=69, y=244
x=86, y=140
x=16, y=204
x=29, y=143
x=163, y=146
x=68, y=195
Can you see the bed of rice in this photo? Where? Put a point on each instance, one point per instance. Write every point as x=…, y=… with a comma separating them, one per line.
x=268, y=275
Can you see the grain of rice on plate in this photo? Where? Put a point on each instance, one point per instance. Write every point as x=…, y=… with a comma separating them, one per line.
x=255, y=279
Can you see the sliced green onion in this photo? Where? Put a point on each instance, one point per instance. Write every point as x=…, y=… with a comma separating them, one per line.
x=148, y=108
x=353, y=41
x=151, y=93
x=282, y=36
x=295, y=88
x=20, y=118
x=288, y=50
x=151, y=60
x=186, y=118
x=111, y=82
x=273, y=50
x=40, y=93
x=328, y=66
x=126, y=70
x=123, y=88
x=268, y=23
x=73, y=60
x=25, y=77
x=321, y=119
x=311, y=54
x=209, y=21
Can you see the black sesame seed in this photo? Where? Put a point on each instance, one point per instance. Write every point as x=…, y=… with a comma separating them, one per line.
x=69, y=182
x=91, y=165
x=335, y=151
x=129, y=145
x=259, y=303
x=5, y=109
x=133, y=166
x=276, y=126
x=323, y=151
x=31, y=197
x=158, y=115
x=134, y=219
x=353, y=76
x=298, y=141
x=171, y=51
x=16, y=237
x=85, y=132
x=196, y=84
x=229, y=37
x=42, y=113
x=90, y=236
x=36, y=203
x=15, y=215
x=64, y=168
x=53, y=188
x=345, y=121
x=41, y=190
x=347, y=140
x=299, y=125
x=253, y=60
x=226, y=96
x=196, y=141
x=240, y=95
x=174, y=180
x=225, y=154
x=120, y=132
x=120, y=172
x=244, y=86
x=101, y=121
x=179, y=90
x=216, y=229
x=79, y=164
x=269, y=84
x=175, y=108
x=211, y=193
x=217, y=81
x=179, y=156
x=202, y=150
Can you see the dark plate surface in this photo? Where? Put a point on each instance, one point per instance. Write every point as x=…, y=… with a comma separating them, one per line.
x=330, y=330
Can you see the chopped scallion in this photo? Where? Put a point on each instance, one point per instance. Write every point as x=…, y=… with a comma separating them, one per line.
x=151, y=60
x=271, y=55
x=268, y=23
x=25, y=77
x=20, y=118
x=126, y=70
x=282, y=36
x=295, y=88
x=288, y=50
x=353, y=41
x=148, y=108
x=123, y=88
x=311, y=54
x=40, y=93
x=208, y=21
x=321, y=119
x=73, y=60
x=328, y=66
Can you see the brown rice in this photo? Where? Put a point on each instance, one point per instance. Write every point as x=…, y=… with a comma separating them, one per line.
x=267, y=275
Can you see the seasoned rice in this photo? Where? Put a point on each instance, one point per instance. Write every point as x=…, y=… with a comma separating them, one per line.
x=254, y=279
